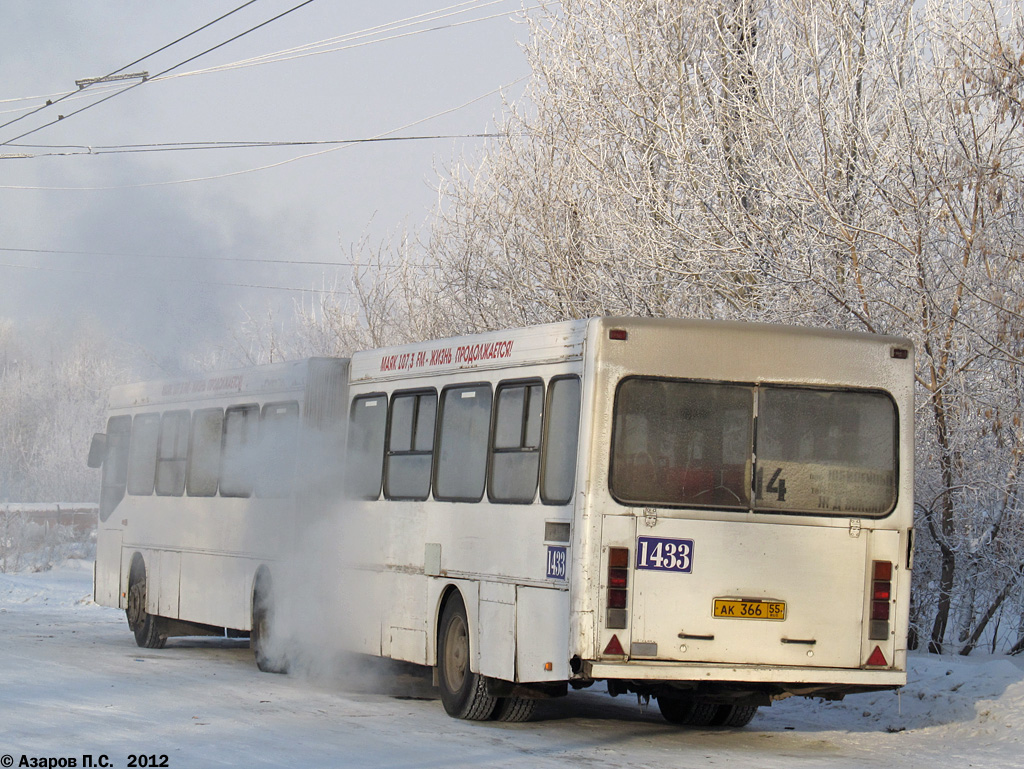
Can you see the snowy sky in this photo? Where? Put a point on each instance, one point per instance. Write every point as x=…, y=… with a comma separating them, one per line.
x=136, y=214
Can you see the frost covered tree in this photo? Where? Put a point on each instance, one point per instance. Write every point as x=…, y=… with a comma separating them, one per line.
x=53, y=397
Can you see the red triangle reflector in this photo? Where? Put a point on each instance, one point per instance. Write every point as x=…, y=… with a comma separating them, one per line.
x=614, y=647
x=877, y=659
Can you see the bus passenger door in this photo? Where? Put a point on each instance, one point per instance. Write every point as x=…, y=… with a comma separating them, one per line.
x=110, y=451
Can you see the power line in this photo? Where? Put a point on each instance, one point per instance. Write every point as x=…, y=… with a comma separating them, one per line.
x=55, y=251
x=269, y=165
x=299, y=51
x=72, y=150
x=309, y=49
x=162, y=279
x=50, y=103
x=164, y=72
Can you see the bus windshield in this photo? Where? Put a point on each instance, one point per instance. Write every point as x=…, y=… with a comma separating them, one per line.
x=679, y=443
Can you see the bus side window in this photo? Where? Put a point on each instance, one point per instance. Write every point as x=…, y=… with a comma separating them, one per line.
x=278, y=442
x=515, y=448
x=410, y=448
x=172, y=450
x=142, y=454
x=465, y=418
x=238, y=459
x=203, y=472
x=115, y=465
x=561, y=438
x=365, y=451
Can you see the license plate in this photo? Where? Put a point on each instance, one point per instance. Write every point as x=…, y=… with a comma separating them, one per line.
x=730, y=608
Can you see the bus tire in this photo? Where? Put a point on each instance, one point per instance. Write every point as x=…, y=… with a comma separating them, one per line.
x=687, y=711
x=463, y=692
x=676, y=710
x=150, y=630
x=259, y=636
x=703, y=714
x=734, y=716
x=514, y=710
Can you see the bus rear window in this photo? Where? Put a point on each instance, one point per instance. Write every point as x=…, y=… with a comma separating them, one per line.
x=682, y=443
x=693, y=444
x=823, y=451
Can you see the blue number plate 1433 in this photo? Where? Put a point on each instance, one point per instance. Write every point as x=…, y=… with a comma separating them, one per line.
x=557, y=562
x=661, y=554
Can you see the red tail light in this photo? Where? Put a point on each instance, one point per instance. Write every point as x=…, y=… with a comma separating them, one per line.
x=881, y=593
x=617, y=599
x=617, y=577
x=879, y=610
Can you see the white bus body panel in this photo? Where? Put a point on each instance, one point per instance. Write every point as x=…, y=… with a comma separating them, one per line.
x=495, y=558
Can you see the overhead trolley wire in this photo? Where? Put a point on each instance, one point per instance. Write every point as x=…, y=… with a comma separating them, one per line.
x=65, y=252
x=269, y=165
x=163, y=72
x=298, y=51
x=357, y=39
x=69, y=94
x=72, y=150
x=163, y=279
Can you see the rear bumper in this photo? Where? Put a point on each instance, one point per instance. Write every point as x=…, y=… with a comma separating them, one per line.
x=790, y=677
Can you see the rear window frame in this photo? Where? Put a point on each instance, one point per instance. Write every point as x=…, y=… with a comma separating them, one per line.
x=755, y=387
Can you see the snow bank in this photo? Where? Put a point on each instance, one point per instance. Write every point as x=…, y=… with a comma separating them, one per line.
x=69, y=585
x=980, y=695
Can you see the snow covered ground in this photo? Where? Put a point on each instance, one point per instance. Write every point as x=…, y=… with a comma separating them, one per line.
x=73, y=684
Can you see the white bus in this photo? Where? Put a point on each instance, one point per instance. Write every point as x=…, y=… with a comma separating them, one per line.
x=714, y=514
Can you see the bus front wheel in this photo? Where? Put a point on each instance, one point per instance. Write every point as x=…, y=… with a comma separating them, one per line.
x=463, y=692
x=149, y=629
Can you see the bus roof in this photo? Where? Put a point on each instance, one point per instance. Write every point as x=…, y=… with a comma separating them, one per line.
x=255, y=381
x=535, y=345
x=558, y=342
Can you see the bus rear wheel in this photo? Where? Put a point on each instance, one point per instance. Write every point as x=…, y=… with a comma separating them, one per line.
x=686, y=711
x=734, y=716
x=463, y=692
x=259, y=637
x=514, y=710
x=675, y=710
x=150, y=631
